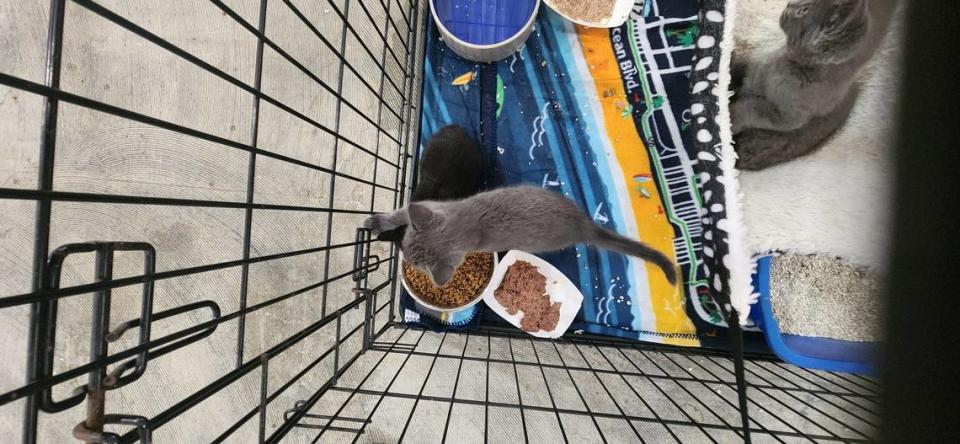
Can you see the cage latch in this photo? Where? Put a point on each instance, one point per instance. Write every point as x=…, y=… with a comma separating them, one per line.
x=100, y=380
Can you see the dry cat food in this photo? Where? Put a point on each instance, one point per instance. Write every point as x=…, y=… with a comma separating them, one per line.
x=467, y=282
x=593, y=11
x=524, y=289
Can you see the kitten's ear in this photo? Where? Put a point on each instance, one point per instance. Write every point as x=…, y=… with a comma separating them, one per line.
x=420, y=216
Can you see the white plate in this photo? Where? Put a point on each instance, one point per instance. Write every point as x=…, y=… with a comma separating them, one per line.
x=559, y=288
x=621, y=11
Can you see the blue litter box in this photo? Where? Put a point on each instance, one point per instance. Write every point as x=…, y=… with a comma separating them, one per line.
x=805, y=351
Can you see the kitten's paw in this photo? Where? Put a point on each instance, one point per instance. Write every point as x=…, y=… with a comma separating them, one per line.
x=374, y=223
x=759, y=149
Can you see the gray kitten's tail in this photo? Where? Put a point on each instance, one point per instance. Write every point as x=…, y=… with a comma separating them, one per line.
x=609, y=240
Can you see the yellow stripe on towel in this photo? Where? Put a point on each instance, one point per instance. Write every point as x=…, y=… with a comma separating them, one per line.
x=631, y=154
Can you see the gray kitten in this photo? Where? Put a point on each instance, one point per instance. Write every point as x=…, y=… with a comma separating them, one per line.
x=439, y=234
x=789, y=102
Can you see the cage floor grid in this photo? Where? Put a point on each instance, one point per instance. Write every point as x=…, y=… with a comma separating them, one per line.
x=480, y=387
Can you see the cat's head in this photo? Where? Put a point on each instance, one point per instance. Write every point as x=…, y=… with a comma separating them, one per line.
x=431, y=245
x=825, y=31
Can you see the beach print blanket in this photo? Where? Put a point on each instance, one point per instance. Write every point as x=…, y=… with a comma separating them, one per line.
x=603, y=116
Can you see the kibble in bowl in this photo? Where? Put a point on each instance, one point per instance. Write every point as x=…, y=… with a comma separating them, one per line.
x=464, y=288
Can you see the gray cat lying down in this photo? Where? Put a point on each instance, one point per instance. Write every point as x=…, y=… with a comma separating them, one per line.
x=526, y=218
x=789, y=102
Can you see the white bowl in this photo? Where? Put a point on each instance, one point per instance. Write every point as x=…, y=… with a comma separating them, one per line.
x=621, y=11
x=413, y=294
x=559, y=288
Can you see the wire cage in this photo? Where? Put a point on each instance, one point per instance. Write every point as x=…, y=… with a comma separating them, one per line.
x=182, y=262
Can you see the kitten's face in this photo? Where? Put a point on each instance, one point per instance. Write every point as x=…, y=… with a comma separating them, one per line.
x=825, y=30
x=430, y=246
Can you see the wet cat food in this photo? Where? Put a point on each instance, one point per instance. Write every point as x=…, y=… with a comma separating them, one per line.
x=466, y=284
x=524, y=289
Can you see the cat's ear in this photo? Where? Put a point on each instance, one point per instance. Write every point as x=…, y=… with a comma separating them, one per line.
x=420, y=216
